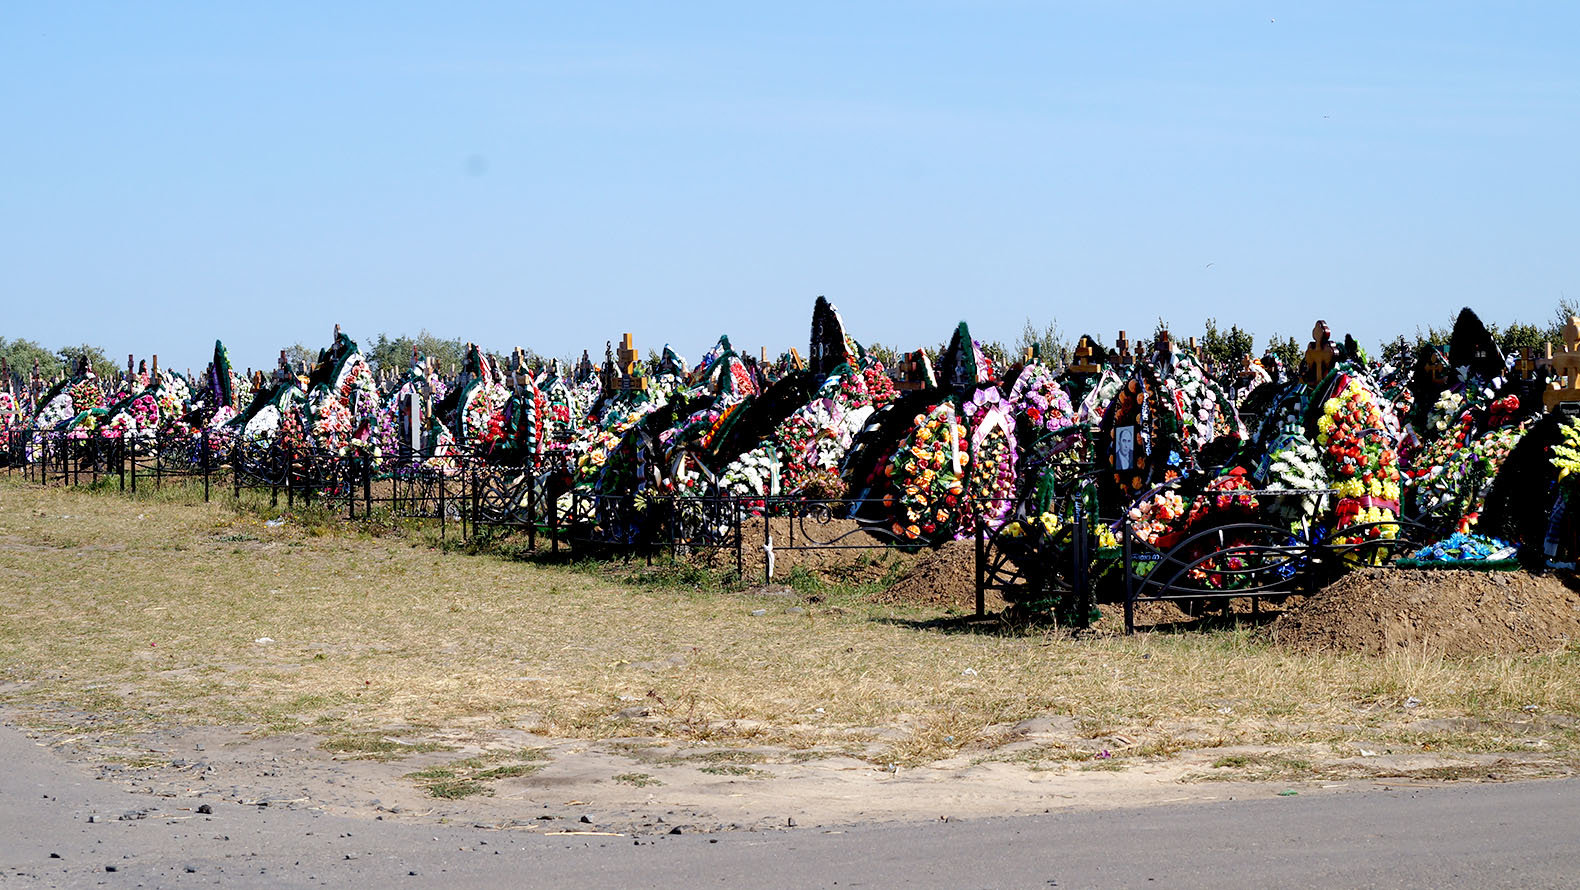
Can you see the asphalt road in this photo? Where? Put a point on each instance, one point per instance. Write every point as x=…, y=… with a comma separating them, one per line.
x=1514, y=835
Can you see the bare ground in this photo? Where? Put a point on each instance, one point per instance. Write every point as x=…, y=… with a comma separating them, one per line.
x=192, y=649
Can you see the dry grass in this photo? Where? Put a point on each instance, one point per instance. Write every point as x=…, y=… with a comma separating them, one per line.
x=149, y=611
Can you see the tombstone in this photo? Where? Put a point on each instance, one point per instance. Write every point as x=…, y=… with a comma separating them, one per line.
x=1563, y=393
x=1320, y=354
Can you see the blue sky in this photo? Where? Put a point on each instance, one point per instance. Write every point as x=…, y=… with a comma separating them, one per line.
x=549, y=175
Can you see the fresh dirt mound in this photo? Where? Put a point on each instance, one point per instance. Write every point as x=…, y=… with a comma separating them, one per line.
x=1454, y=612
x=943, y=577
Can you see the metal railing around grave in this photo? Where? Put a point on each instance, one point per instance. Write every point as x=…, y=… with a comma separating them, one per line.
x=1226, y=560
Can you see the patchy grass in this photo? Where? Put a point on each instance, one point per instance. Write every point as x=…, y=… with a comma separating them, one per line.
x=744, y=771
x=150, y=610
x=376, y=746
x=638, y=780
x=475, y=775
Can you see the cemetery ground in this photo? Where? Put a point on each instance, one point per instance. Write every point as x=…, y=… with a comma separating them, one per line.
x=204, y=654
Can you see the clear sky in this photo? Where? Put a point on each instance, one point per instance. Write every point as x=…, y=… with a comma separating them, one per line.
x=551, y=174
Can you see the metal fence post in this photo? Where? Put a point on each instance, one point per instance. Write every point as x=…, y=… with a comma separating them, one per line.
x=1083, y=581
x=203, y=442
x=1130, y=591
x=740, y=547
x=981, y=566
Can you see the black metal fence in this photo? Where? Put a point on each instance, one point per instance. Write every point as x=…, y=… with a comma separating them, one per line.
x=1068, y=571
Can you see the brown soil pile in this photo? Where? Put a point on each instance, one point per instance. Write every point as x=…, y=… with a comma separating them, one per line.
x=1454, y=612
x=943, y=577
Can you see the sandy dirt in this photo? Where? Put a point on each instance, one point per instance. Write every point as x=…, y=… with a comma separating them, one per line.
x=1452, y=612
x=754, y=789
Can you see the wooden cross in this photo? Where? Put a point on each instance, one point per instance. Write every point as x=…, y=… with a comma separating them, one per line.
x=1565, y=388
x=1320, y=354
x=1525, y=365
x=1083, y=363
x=1437, y=367
x=916, y=371
x=627, y=364
x=1123, y=357
x=795, y=359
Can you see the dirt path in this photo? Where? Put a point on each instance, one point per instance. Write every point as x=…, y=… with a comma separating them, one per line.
x=62, y=828
x=643, y=786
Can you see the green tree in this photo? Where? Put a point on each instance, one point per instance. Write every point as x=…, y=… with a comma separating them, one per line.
x=998, y=354
x=1555, y=331
x=1399, y=352
x=395, y=353
x=888, y=356
x=70, y=356
x=1287, y=350
x=1518, y=335
x=20, y=354
x=300, y=357
x=1225, y=348
x=1048, y=341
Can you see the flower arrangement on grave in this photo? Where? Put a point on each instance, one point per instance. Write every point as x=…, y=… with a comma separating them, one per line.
x=1462, y=547
x=1102, y=394
x=990, y=469
x=817, y=436
x=483, y=419
x=1359, y=459
x=593, y=446
x=86, y=424
x=1038, y=400
x=56, y=411
x=1566, y=454
x=264, y=427
x=136, y=416
x=927, y=476
x=221, y=417
x=1226, y=500
x=173, y=394
x=527, y=411
x=1200, y=408
x=1445, y=413
x=1461, y=481
x=1133, y=413
x=751, y=475
x=880, y=387
x=354, y=386
x=1294, y=464
x=1229, y=494
x=332, y=423
x=1155, y=520
x=86, y=394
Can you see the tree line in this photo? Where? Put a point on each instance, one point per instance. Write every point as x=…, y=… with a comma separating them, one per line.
x=1223, y=347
